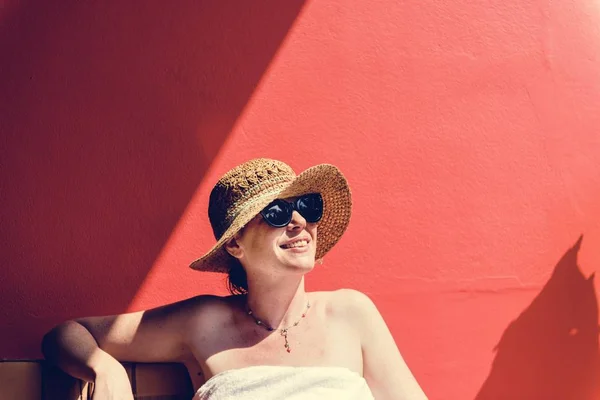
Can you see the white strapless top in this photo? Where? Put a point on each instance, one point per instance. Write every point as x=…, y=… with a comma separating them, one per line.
x=285, y=382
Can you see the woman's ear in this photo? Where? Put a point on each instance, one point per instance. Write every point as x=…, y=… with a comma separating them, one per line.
x=233, y=247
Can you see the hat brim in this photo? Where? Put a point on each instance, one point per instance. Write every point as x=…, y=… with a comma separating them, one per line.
x=325, y=179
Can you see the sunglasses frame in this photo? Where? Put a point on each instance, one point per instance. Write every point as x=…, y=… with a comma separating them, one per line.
x=291, y=207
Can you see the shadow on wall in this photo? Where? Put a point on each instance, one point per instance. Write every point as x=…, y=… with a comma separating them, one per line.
x=110, y=114
x=551, y=350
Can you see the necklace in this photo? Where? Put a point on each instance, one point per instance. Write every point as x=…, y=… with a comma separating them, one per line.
x=283, y=331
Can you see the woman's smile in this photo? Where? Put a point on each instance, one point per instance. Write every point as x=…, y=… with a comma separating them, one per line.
x=296, y=243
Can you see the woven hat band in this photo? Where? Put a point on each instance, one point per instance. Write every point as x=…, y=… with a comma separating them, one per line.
x=248, y=202
x=256, y=192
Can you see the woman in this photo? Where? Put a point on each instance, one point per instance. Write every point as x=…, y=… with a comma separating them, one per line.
x=270, y=339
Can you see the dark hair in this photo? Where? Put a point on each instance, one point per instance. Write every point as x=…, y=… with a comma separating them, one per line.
x=237, y=280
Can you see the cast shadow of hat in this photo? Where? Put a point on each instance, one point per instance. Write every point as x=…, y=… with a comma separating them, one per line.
x=551, y=350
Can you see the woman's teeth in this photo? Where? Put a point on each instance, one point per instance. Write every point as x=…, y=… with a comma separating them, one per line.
x=299, y=243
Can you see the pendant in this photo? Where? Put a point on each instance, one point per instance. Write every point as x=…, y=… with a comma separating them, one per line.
x=284, y=333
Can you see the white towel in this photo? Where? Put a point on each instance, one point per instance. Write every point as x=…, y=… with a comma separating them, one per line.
x=285, y=382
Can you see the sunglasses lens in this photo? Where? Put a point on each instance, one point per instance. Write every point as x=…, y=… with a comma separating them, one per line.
x=310, y=206
x=277, y=213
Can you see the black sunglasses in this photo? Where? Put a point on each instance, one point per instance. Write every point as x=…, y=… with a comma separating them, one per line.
x=279, y=212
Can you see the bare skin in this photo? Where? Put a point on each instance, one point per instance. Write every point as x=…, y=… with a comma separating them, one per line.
x=211, y=334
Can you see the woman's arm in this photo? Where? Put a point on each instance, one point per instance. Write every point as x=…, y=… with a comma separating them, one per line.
x=88, y=346
x=73, y=349
x=384, y=368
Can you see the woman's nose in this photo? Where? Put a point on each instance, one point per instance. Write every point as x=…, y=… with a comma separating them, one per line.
x=297, y=221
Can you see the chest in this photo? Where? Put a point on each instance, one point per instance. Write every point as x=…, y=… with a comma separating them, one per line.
x=315, y=341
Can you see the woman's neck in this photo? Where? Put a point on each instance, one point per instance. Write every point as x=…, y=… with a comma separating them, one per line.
x=279, y=304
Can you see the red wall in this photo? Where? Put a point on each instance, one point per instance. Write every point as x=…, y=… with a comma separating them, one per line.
x=468, y=131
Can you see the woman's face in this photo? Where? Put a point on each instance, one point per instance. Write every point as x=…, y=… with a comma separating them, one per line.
x=292, y=247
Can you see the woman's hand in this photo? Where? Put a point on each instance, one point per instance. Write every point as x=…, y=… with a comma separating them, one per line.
x=112, y=384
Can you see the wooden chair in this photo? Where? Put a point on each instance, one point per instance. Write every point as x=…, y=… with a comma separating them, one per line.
x=36, y=380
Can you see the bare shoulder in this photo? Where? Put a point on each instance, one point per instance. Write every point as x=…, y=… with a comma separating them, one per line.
x=194, y=307
x=205, y=312
x=351, y=303
x=202, y=304
x=209, y=307
x=352, y=296
x=353, y=309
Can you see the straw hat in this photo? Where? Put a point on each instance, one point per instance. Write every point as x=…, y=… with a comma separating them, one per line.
x=248, y=188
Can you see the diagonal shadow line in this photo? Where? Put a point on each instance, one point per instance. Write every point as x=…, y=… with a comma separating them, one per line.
x=551, y=350
x=111, y=114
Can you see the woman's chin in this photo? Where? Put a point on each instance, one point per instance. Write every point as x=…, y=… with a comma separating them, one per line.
x=299, y=258
x=306, y=262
